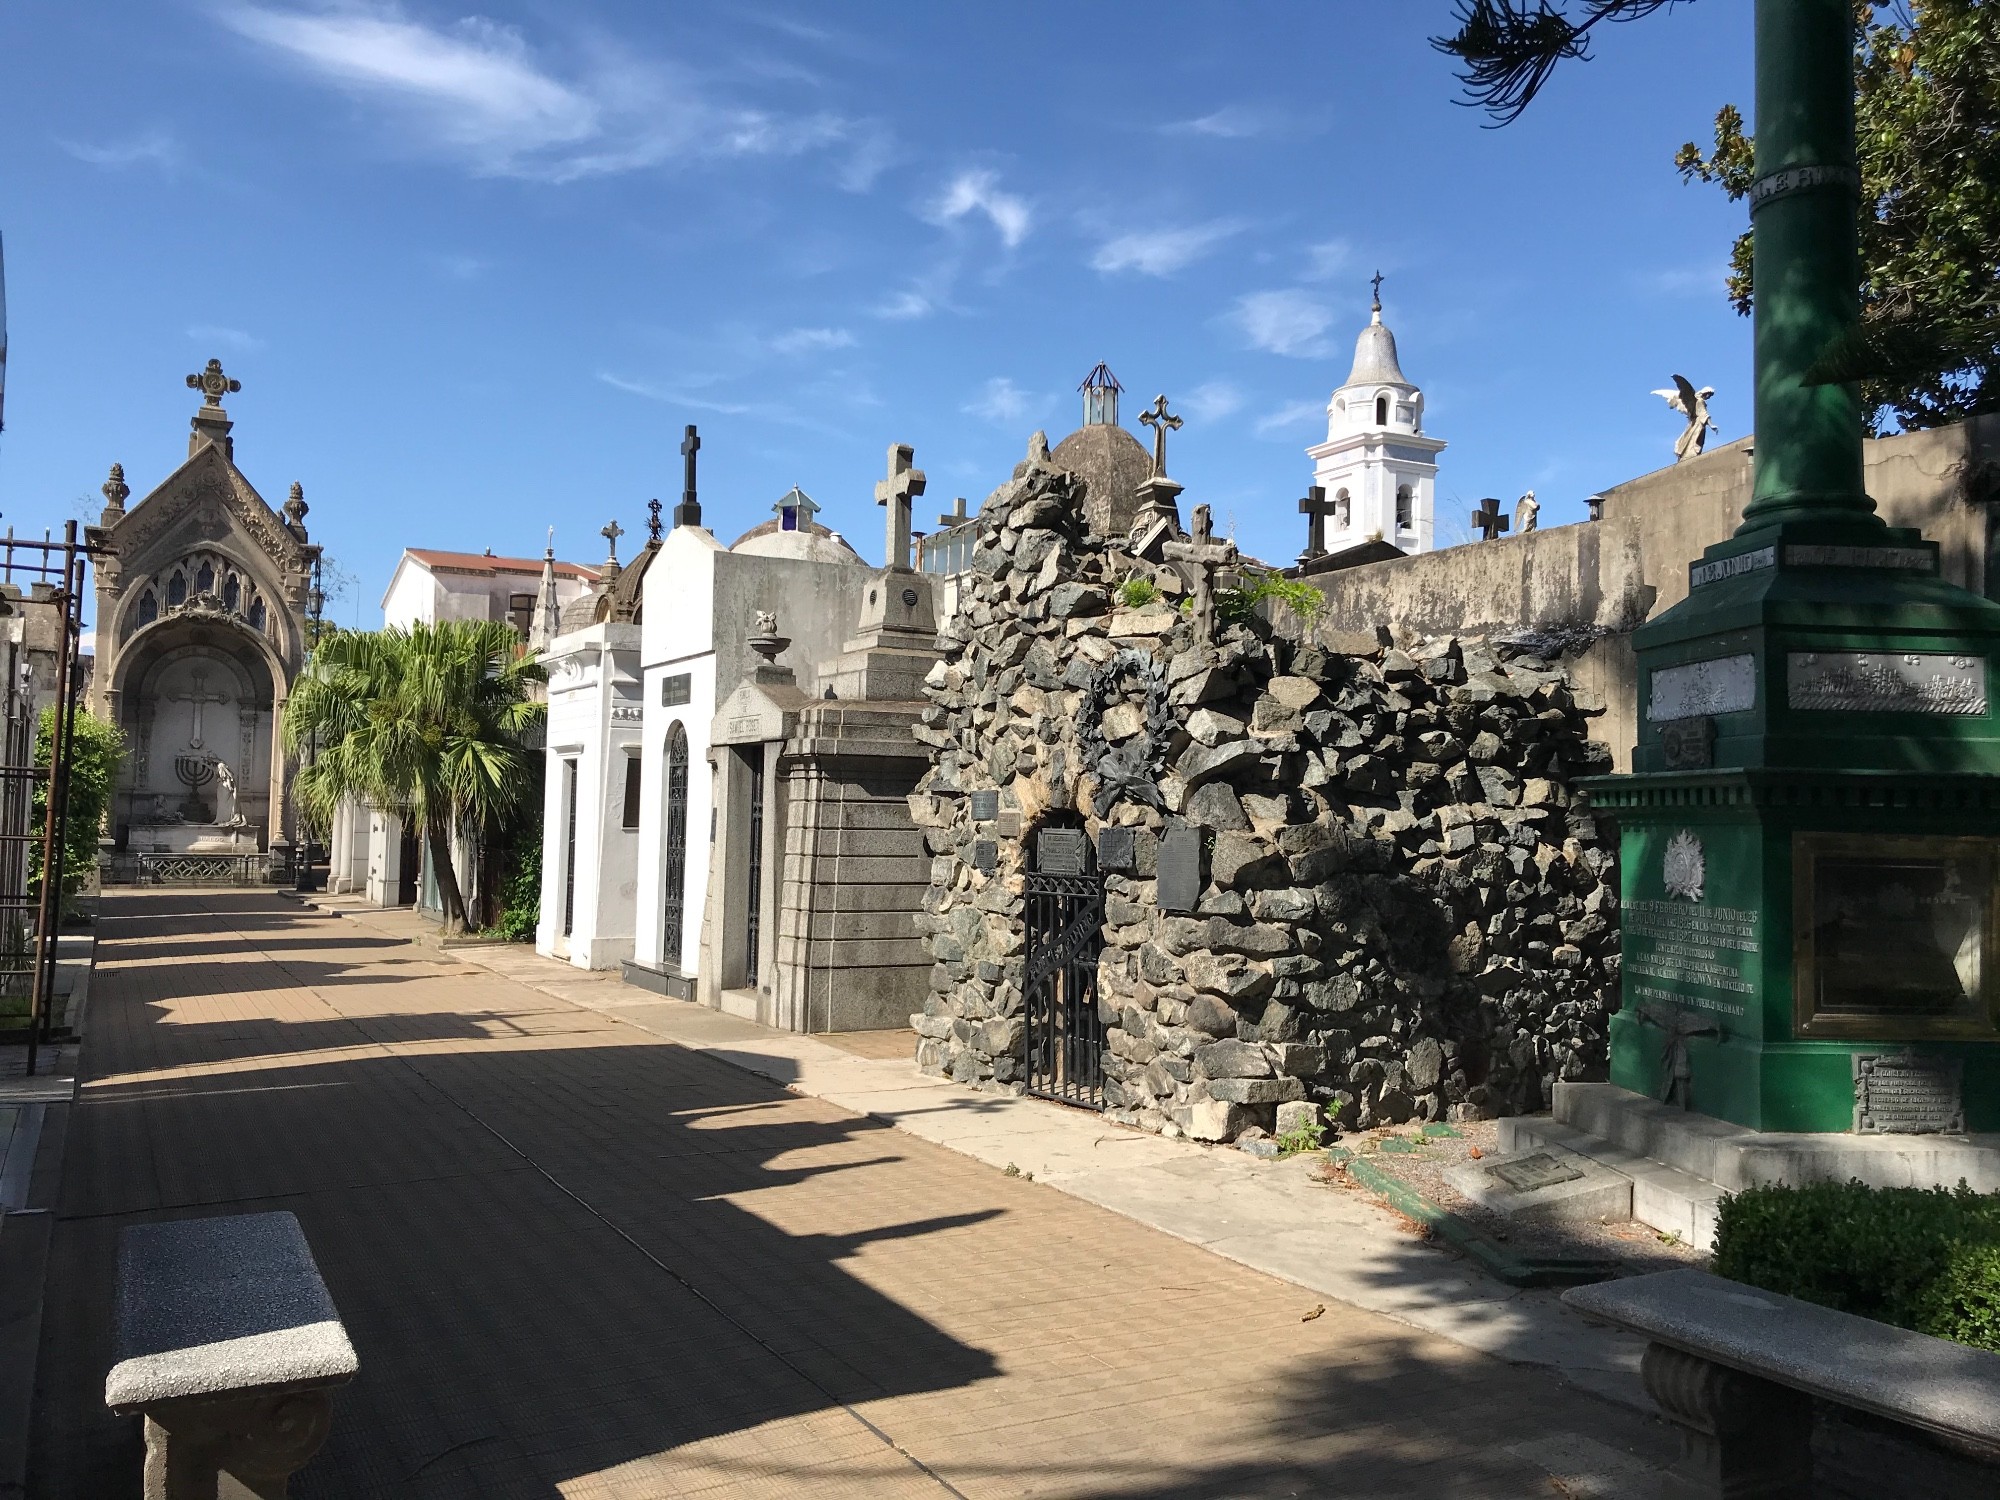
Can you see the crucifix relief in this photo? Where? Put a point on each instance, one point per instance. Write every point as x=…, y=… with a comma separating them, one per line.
x=1159, y=420
x=197, y=698
x=1490, y=519
x=1316, y=508
x=896, y=492
x=1204, y=556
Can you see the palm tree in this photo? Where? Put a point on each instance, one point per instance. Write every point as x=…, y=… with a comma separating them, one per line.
x=431, y=722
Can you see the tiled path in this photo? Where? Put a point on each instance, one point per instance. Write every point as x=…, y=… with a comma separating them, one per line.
x=578, y=1260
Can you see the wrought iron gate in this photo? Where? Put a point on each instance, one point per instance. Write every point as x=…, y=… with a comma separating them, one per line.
x=673, y=914
x=753, y=920
x=1065, y=1034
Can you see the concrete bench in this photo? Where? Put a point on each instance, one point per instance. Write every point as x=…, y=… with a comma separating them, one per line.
x=229, y=1346
x=1737, y=1370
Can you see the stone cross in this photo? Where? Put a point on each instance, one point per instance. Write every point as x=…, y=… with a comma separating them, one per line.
x=1489, y=518
x=611, y=531
x=213, y=384
x=653, y=527
x=1159, y=421
x=688, y=512
x=896, y=492
x=197, y=697
x=957, y=517
x=1316, y=508
x=1204, y=555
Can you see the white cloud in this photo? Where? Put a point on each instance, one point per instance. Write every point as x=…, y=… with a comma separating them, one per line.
x=1212, y=401
x=1327, y=259
x=1005, y=403
x=809, y=340
x=1161, y=252
x=1289, y=322
x=228, y=338
x=1290, y=416
x=979, y=192
x=1680, y=281
x=1233, y=122
x=149, y=148
x=461, y=267
x=476, y=91
x=904, y=304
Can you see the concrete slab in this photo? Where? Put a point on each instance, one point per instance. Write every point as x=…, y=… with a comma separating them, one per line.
x=1550, y=1186
x=1663, y=1197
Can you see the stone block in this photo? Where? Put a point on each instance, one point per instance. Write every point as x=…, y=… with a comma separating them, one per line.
x=1215, y=806
x=1295, y=1115
x=1242, y=859
x=1551, y=1186
x=1256, y=1090
x=1208, y=1014
x=1217, y=1120
x=1233, y=1059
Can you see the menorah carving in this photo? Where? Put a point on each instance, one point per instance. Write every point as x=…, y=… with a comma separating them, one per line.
x=195, y=772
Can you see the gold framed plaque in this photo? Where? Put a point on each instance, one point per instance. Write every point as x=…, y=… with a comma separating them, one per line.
x=1895, y=937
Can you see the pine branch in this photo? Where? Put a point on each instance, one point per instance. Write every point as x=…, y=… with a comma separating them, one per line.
x=1510, y=47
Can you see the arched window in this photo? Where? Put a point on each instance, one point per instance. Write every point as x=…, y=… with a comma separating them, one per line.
x=232, y=591
x=1343, y=509
x=177, y=589
x=149, y=608
x=1381, y=411
x=673, y=910
x=256, y=614
x=1404, y=507
x=204, y=579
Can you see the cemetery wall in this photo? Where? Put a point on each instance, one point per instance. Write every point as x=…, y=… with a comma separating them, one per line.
x=1395, y=907
x=1591, y=584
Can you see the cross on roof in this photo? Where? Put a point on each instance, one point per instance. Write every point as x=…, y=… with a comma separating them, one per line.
x=1490, y=519
x=958, y=516
x=1316, y=508
x=688, y=512
x=1159, y=420
x=902, y=485
x=653, y=527
x=1376, y=282
x=213, y=384
x=611, y=532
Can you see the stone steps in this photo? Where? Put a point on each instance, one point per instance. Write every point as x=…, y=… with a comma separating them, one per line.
x=1663, y=1197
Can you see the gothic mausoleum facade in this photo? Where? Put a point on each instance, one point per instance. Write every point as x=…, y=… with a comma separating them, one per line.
x=201, y=630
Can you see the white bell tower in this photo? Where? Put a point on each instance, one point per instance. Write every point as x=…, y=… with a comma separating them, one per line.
x=1377, y=467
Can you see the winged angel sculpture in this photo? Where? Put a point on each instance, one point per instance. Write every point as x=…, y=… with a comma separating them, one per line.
x=1692, y=404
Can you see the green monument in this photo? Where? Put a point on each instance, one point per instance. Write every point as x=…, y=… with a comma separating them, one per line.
x=1812, y=826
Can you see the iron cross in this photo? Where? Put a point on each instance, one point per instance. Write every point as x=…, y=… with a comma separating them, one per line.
x=1159, y=421
x=213, y=384
x=688, y=512
x=653, y=527
x=1315, y=507
x=896, y=492
x=1490, y=519
x=1376, y=282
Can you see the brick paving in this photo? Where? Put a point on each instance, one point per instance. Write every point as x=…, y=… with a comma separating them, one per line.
x=580, y=1261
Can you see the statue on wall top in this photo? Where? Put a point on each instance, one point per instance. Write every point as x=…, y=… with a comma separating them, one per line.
x=1692, y=404
x=1527, y=513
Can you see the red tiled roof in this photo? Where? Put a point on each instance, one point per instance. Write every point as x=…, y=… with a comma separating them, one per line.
x=485, y=562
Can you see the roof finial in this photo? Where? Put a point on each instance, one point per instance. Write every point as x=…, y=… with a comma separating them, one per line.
x=1376, y=282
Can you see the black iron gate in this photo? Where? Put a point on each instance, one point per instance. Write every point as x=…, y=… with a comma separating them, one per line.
x=673, y=910
x=1065, y=1033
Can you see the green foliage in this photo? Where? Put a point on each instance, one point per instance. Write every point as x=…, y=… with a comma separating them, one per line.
x=1921, y=1258
x=1233, y=606
x=1307, y=1137
x=1927, y=117
x=521, y=891
x=433, y=722
x=1136, y=592
x=95, y=754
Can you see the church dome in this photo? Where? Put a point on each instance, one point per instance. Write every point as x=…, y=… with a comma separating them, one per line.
x=1113, y=464
x=1375, y=355
x=810, y=542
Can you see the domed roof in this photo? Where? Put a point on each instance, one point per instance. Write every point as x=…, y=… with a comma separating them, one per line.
x=811, y=542
x=1113, y=464
x=1375, y=355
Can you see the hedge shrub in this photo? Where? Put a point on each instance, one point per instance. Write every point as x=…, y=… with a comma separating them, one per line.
x=1921, y=1258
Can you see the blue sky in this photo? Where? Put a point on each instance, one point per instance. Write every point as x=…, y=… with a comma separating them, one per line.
x=477, y=267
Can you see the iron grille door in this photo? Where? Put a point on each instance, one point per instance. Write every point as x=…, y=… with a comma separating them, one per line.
x=753, y=904
x=674, y=920
x=1065, y=1034
x=569, y=850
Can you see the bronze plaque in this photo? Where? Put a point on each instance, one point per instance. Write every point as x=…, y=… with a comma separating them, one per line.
x=1117, y=849
x=1541, y=1170
x=1901, y=1093
x=985, y=806
x=1061, y=851
x=985, y=856
x=1689, y=744
x=1180, y=869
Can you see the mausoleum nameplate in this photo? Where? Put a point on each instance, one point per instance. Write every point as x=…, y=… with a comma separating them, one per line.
x=1117, y=849
x=1885, y=682
x=1688, y=744
x=675, y=689
x=1902, y=1093
x=1824, y=555
x=985, y=806
x=985, y=856
x=1544, y=1169
x=1731, y=567
x=1061, y=851
x=1180, y=869
x=1722, y=685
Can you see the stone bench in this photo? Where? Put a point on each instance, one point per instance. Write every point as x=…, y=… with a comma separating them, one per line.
x=229, y=1346
x=1737, y=1369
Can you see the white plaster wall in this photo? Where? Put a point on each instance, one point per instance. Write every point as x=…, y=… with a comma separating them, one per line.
x=412, y=596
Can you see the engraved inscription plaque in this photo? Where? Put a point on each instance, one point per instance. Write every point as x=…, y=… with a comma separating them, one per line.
x=1117, y=849
x=985, y=806
x=1541, y=1170
x=674, y=689
x=1060, y=851
x=1180, y=869
x=1904, y=682
x=1901, y=1093
x=1700, y=574
x=1722, y=685
x=985, y=856
x=1688, y=744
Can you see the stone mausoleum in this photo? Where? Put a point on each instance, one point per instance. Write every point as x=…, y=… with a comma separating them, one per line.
x=201, y=629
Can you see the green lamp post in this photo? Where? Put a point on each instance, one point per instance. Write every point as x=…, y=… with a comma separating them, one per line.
x=1811, y=940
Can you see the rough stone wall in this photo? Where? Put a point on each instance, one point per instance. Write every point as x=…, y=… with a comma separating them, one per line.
x=1403, y=912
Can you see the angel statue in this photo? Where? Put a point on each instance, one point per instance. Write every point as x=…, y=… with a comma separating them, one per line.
x=1527, y=513
x=1692, y=404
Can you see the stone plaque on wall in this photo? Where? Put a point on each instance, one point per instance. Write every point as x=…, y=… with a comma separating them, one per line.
x=985, y=856
x=985, y=806
x=1061, y=851
x=1117, y=849
x=1180, y=869
x=1903, y=1093
x=1907, y=682
x=1724, y=685
x=674, y=689
x=1688, y=744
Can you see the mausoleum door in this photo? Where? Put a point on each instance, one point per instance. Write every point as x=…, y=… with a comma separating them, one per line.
x=1065, y=930
x=571, y=793
x=673, y=882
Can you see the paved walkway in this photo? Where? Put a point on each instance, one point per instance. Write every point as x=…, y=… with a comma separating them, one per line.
x=579, y=1260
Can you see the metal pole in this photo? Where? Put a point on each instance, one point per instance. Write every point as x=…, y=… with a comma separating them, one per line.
x=73, y=564
x=49, y=904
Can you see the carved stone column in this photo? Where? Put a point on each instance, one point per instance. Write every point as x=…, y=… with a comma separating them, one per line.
x=1741, y=1438
x=260, y=1441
